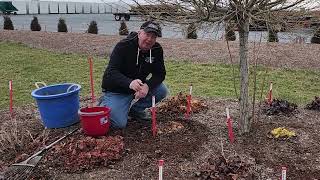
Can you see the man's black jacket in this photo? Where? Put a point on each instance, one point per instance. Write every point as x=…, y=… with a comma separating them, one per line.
x=124, y=66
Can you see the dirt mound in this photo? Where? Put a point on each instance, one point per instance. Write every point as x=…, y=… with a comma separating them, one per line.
x=176, y=106
x=280, y=107
x=314, y=105
x=224, y=169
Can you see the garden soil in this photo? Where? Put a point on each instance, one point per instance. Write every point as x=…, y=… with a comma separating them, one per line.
x=194, y=148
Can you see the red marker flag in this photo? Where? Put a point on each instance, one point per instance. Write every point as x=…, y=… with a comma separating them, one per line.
x=229, y=123
x=153, y=112
x=189, y=97
x=11, y=97
x=283, y=173
x=160, y=168
x=269, y=97
x=93, y=99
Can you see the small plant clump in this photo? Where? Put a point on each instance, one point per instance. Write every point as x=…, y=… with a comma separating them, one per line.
x=280, y=106
x=35, y=26
x=316, y=37
x=123, y=30
x=85, y=153
x=192, y=31
x=7, y=23
x=177, y=105
x=62, y=26
x=221, y=168
x=314, y=105
x=93, y=27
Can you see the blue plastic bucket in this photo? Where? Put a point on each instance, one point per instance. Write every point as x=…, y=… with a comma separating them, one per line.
x=58, y=104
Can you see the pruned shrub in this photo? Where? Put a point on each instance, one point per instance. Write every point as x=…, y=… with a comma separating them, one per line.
x=62, y=26
x=316, y=37
x=123, y=30
x=192, y=31
x=93, y=27
x=273, y=35
x=230, y=35
x=7, y=23
x=35, y=26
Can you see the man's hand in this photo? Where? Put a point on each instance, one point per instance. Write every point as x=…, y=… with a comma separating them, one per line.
x=136, y=85
x=143, y=92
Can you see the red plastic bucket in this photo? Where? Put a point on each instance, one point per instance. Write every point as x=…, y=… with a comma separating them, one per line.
x=95, y=121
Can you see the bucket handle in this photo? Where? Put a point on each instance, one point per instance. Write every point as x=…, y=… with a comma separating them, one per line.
x=37, y=84
x=68, y=90
x=90, y=113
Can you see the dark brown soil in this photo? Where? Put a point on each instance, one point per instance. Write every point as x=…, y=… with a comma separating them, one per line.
x=191, y=149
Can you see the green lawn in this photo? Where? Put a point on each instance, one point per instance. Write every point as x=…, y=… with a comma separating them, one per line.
x=25, y=66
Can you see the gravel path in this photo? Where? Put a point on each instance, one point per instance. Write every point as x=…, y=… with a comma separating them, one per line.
x=293, y=56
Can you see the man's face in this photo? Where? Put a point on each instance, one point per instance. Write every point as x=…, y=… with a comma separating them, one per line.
x=146, y=39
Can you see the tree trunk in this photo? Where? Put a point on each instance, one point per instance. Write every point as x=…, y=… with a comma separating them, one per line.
x=244, y=73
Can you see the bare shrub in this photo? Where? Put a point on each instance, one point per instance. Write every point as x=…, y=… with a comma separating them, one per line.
x=13, y=137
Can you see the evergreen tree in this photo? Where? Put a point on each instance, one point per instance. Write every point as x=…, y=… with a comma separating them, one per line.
x=62, y=26
x=7, y=23
x=93, y=27
x=123, y=30
x=230, y=35
x=316, y=37
x=273, y=35
x=192, y=31
x=35, y=26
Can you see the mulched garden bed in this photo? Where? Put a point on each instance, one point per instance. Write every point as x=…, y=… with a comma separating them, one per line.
x=195, y=148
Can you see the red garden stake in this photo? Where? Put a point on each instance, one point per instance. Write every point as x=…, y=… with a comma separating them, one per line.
x=269, y=97
x=160, y=168
x=189, y=97
x=91, y=81
x=229, y=123
x=153, y=112
x=283, y=173
x=11, y=97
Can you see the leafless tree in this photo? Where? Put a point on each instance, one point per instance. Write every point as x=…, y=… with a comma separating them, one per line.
x=242, y=13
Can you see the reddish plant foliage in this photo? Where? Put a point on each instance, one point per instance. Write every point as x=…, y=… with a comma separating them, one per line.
x=78, y=154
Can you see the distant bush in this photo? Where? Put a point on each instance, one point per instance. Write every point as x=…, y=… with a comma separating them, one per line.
x=93, y=27
x=230, y=35
x=192, y=31
x=316, y=37
x=62, y=26
x=35, y=26
x=123, y=30
x=273, y=35
x=7, y=23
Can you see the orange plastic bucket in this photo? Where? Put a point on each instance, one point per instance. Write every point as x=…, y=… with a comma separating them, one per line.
x=95, y=121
